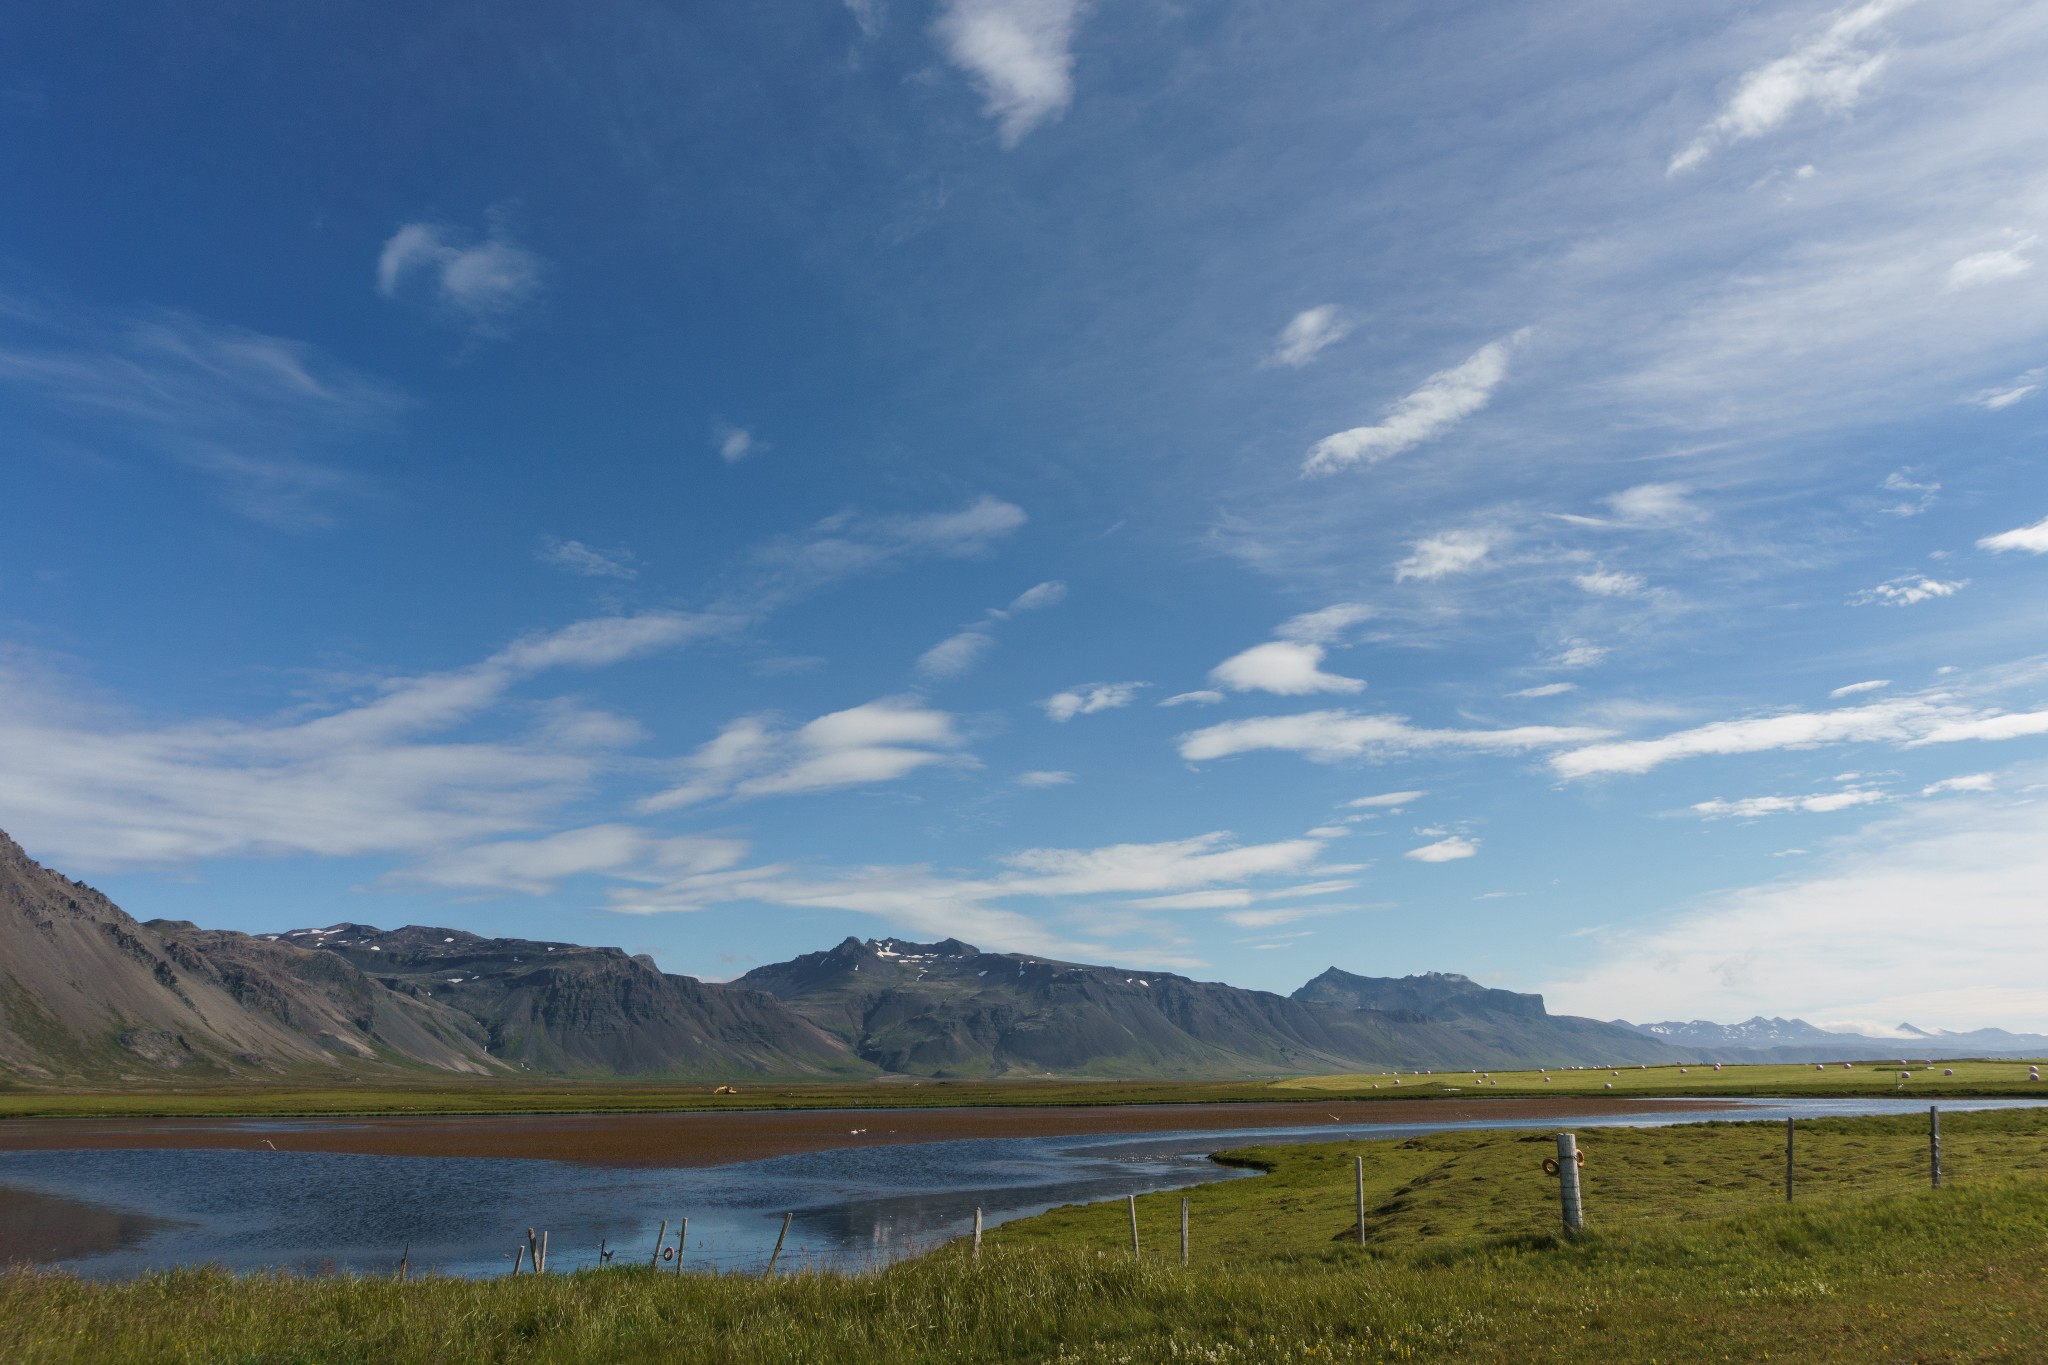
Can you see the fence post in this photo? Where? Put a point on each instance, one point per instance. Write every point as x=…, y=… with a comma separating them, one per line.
x=1568, y=1182
x=977, y=1232
x=1134, y=1227
x=1934, y=1143
x=776, y=1254
x=660, y=1240
x=1788, y=1160
x=1183, y=1230
x=1358, y=1169
x=682, y=1244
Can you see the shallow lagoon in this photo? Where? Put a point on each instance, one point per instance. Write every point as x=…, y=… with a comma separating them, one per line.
x=312, y=1212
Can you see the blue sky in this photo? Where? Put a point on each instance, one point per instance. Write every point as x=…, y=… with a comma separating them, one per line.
x=1552, y=495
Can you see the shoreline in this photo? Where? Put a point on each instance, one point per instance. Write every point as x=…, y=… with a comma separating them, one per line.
x=697, y=1139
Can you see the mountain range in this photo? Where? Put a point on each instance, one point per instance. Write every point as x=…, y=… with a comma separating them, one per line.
x=1795, y=1040
x=90, y=995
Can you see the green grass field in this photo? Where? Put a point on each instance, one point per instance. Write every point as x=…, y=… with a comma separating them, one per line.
x=1999, y=1077
x=592, y=1097
x=1690, y=1255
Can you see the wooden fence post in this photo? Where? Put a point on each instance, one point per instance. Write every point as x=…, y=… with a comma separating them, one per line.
x=776, y=1254
x=1358, y=1168
x=1934, y=1143
x=1183, y=1230
x=518, y=1255
x=1788, y=1160
x=542, y=1263
x=1134, y=1227
x=660, y=1239
x=404, y=1257
x=1568, y=1182
x=682, y=1244
x=977, y=1232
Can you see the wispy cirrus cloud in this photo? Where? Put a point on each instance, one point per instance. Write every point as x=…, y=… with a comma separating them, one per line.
x=958, y=653
x=1441, y=556
x=1291, y=666
x=1307, y=334
x=1018, y=53
x=1908, y=591
x=477, y=280
x=379, y=774
x=1089, y=698
x=260, y=417
x=1454, y=848
x=2033, y=539
x=1820, y=803
x=1444, y=400
x=1908, y=722
x=578, y=558
x=1329, y=736
x=757, y=756
x=852, y=543
x=1830, y=70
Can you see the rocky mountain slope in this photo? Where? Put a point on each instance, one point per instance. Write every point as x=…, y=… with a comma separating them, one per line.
x=87, y=992
x=90, y=995
x=948, y=1008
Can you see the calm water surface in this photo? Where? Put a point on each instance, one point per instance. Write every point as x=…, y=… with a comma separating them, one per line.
x=312, y=1212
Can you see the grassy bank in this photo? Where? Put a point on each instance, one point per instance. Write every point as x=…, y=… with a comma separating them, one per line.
x=1984, y=1078
x=1689, y=1258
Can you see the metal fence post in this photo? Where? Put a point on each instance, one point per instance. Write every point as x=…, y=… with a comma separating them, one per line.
x=1568, y=1182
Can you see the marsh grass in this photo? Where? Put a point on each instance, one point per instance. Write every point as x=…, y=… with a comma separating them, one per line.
x=1461, y=1264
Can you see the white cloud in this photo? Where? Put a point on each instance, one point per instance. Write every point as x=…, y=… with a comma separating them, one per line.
x=1973, y=782
x=2033, y=539
x=1325, y=624
x=922, y=901
x=1088, y=698
x=1044, y=779
x=1900, y=482
x=1445, y=399
x=1384, y=800
x=480, y=282
x=1854, y=937
x=1607, y=584
x=848, y=543
x=956, y=654
x=1905, y=721
x=1204, y=697
x=252, y=413
x=1992, y=400
x=1327, y=736
x=869, y=14
x=1306, y=334
x=736, y=444
x=1019, y=55
x=1440, y=556
x=1907, y=591
x=535, y=866
x=367, y=777
x=1852, y=689
x=1995, y=266
x=1444, y=850
x=1830, y=70
x=1649, y=504
x=879, y=741
x=1579, y=654
x=1048, y=594
x=1281, y=667
x=1750, y=808
x=579, y=558
x=1556, y=689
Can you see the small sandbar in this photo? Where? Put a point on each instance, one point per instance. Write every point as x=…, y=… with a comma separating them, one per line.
x=717, y=1139
x=38, y=1227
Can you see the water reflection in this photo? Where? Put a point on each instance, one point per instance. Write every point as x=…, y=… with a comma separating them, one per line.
x=310, y=1212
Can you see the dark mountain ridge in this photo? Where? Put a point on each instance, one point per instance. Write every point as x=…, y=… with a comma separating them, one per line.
x=89, y=995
